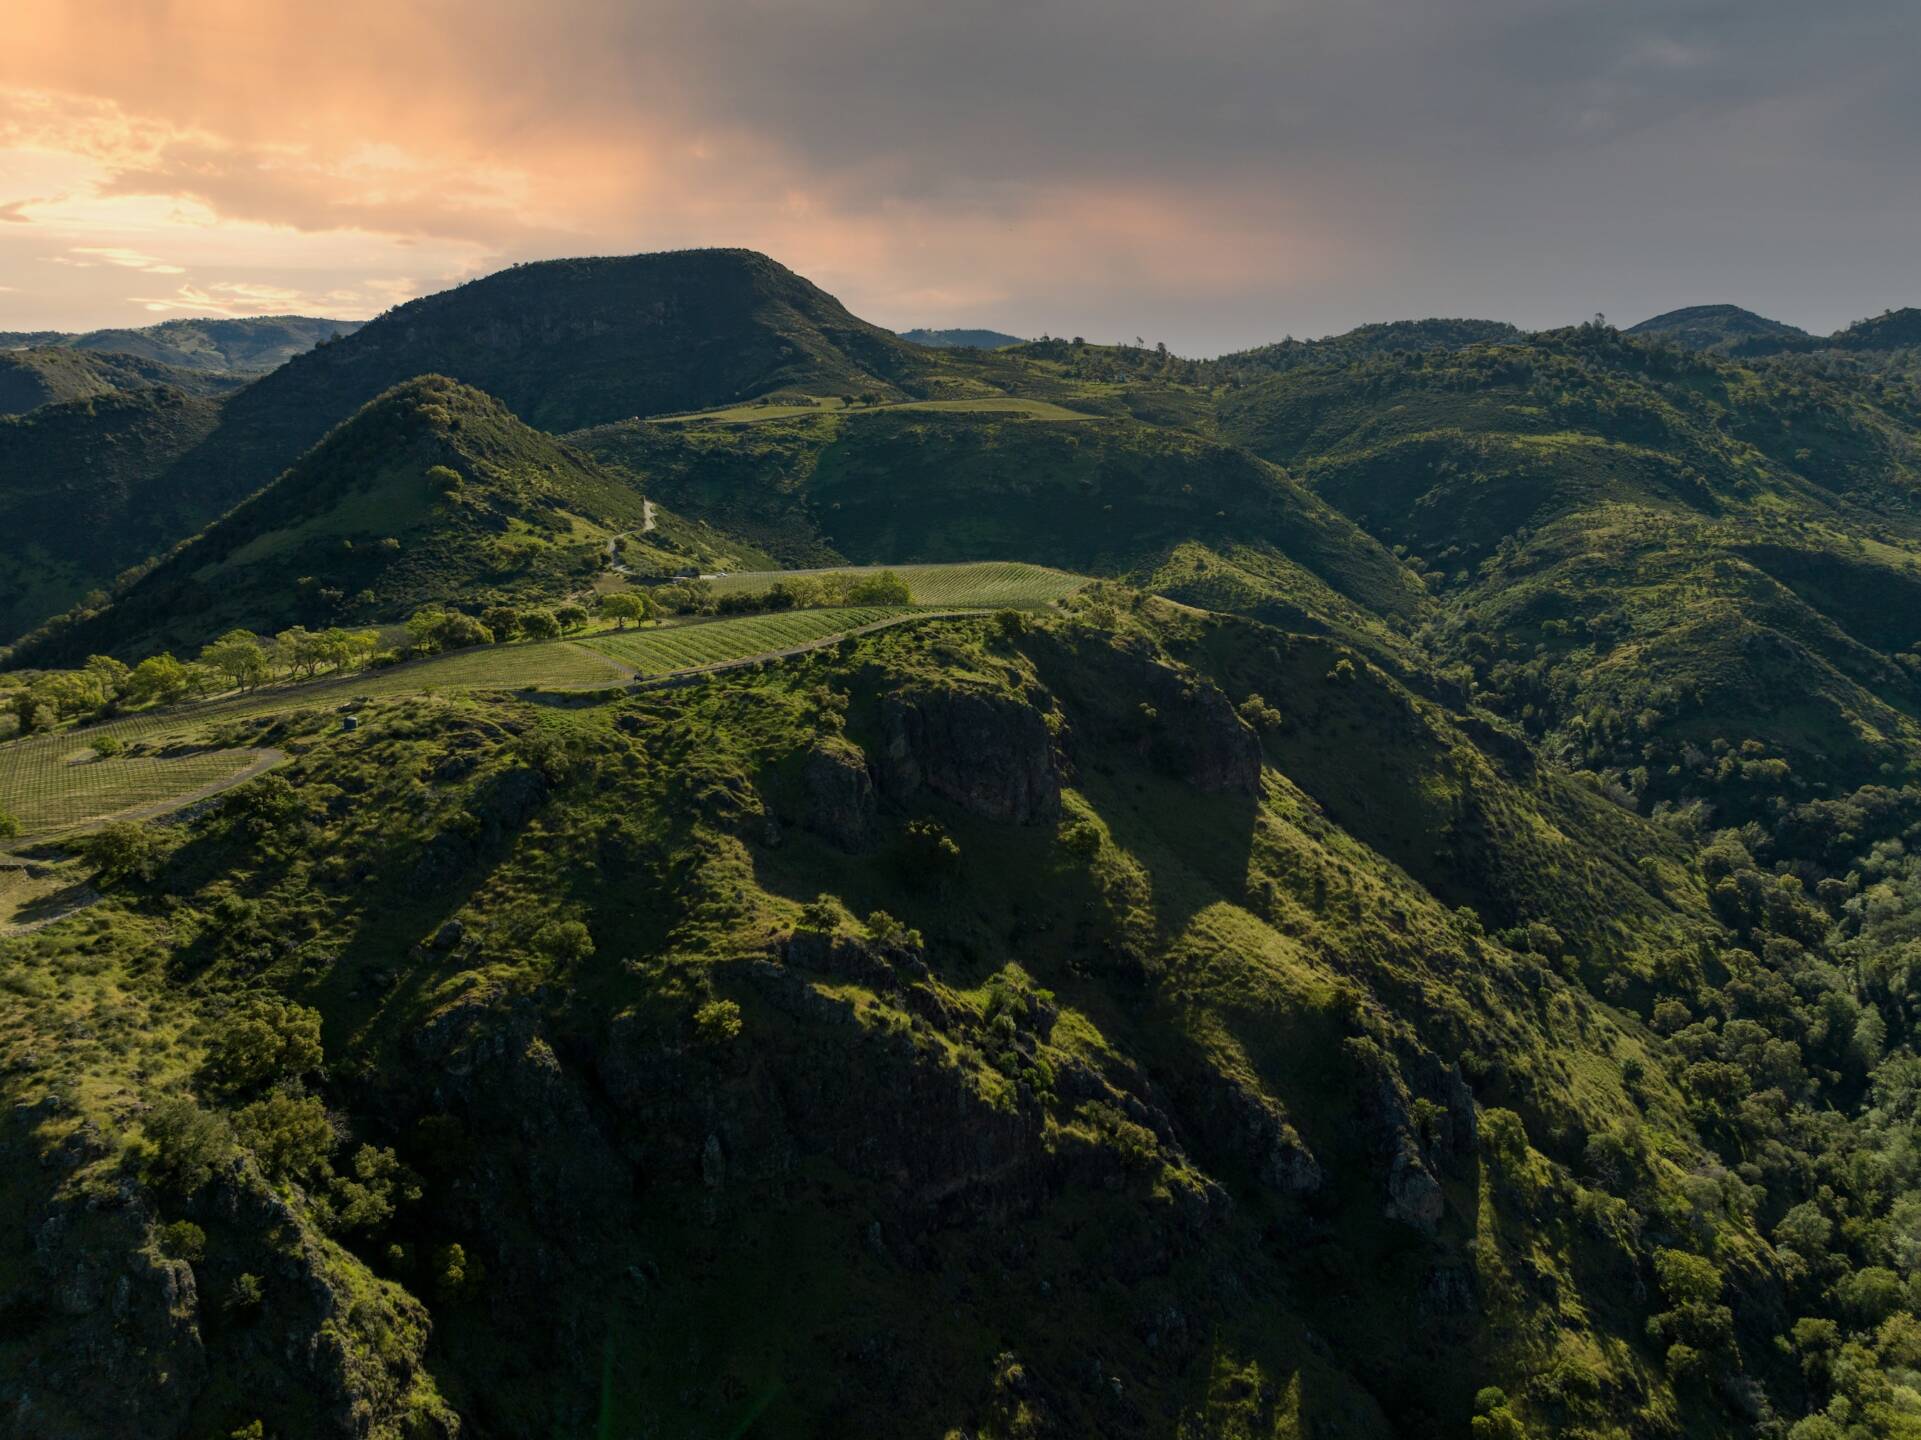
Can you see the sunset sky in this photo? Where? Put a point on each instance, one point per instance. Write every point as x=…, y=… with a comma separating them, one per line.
x=1212, y=173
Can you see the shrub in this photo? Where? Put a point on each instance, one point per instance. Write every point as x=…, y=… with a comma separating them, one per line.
x=123, y=850
x=8, y=825
x=564, y=940
x=182, y=1240
x=289, y=1135
x=246, y=1293
x=265, y=1040
x=456, y=1274
x=717, y=1022
x=886, y=588
x=188, y=1144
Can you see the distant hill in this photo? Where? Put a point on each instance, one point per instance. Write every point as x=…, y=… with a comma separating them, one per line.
x=51, y=374
x=961, y=339
x=89, y=487
x=1363, y=341
x=1714, y=327
x=250, y=346
x=1890, y=330
x=360, y=530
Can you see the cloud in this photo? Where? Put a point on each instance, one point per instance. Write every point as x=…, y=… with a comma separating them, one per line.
x=1226, y=170
x=128, y=259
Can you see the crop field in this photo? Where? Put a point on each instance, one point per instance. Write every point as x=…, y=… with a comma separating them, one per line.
x=713, y=642
x=997, y=584
x=51, y=782
x=56, y=793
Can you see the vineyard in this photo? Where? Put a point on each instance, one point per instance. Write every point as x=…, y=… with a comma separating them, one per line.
x=52, y=782
x=714, y=642
x=993, y=584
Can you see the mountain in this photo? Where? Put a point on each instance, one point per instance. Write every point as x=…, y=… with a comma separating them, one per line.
x=369, y=526
x=961, y=339
x=250, y=346
x=91, y=487
x=50, y=374
x=1714, y=327
x=564, y=344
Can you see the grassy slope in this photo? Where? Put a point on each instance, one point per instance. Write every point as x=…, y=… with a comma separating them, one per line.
x=51, y=375
x=1106, y=495
x=529, y=519
x=898, y=1174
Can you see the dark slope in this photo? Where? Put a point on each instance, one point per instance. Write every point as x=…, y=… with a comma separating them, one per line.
x=51, y=374
x=91, y=487
x=250, y=346
x=358, y=530
x=1719, y=328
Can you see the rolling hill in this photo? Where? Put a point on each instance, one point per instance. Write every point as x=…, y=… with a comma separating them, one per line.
x=1418, y=934
x=432, y=492
x=250, y=346
x=1721, y=328
x=51, y=374
x=961, y=339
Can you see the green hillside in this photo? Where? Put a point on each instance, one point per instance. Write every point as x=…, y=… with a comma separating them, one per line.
x=960, y=339
x=1367, y=888
x=432, y=493
x=1095, y=496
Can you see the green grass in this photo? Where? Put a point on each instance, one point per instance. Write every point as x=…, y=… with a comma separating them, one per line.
x=714, y=642
x=992, y=582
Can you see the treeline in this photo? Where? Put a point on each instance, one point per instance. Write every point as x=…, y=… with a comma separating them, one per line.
x=239, y=659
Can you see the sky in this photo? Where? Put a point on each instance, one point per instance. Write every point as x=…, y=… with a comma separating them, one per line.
x=1208, y=173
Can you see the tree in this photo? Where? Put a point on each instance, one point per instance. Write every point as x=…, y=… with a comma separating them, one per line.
x=458, y=632
x=423, y=628
x=299, y=650
x=443, y=479
x=187, y=1143
x=240, y=657
x=886, y=588
x=622, y=606
x=123, y=851
x=539, y=624
x=571, y=616
x=265, y=1040
x=502, y=620
x=289, y=1135
x=158, y=680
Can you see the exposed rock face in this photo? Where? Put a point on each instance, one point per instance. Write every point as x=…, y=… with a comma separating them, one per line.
x=1237, y=1120
x=840, y=794
x=1413, y=1195
x=1197, y=734
x=989, y=754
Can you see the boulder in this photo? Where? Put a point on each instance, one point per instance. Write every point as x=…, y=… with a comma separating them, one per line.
x=841, y=804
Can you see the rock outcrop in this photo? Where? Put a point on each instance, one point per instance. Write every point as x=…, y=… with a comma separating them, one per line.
x=840, y=796
x=990, y=754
